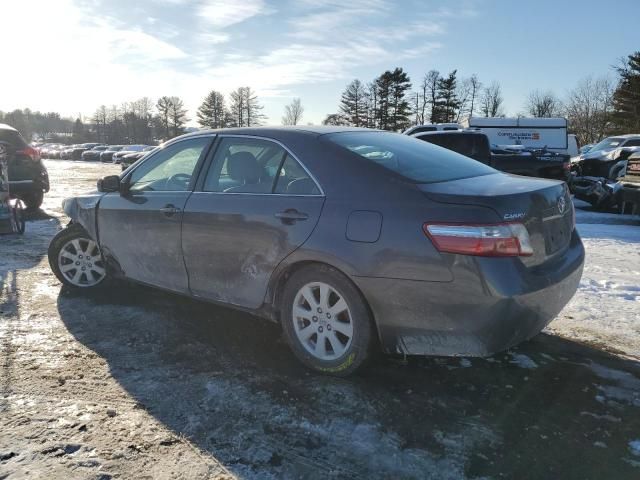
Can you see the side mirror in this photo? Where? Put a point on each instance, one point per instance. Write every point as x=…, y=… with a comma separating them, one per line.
x=110, y=183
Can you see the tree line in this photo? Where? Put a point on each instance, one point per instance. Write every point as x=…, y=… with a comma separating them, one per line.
x=595, y=107
x=388, y=102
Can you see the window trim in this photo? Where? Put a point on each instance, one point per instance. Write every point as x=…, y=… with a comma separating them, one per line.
x=126, y=175
x=205, y=170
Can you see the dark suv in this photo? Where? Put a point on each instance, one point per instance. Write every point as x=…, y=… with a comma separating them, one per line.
x=28, y=177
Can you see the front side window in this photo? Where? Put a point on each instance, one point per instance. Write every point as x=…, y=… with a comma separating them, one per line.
x=414, y=159
x=171, y=168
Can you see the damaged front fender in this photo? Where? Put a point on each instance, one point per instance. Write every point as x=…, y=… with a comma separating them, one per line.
x=82, y=210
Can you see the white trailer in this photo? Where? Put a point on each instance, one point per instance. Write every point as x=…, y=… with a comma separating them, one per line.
x=528, y=132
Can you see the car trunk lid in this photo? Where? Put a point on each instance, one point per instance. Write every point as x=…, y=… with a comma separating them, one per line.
x=543, y=206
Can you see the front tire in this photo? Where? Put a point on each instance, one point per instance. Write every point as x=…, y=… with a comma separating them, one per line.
x=75, y=258
x=326, y=321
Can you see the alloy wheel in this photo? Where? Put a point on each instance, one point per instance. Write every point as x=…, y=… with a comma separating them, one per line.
x=80, y=261
x=322, y=321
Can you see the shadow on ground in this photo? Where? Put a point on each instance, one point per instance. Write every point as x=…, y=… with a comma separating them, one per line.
x=552, y=408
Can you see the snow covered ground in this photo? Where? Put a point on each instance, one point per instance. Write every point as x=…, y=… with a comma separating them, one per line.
x=606, y=309
x=135, y=383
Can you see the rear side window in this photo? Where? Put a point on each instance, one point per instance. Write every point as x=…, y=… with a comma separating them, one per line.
x=294, y=180
x=632, y=143
x=12, y=138
x=410, y=157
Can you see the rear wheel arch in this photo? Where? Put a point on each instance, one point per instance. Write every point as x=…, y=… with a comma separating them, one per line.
x=279, y=280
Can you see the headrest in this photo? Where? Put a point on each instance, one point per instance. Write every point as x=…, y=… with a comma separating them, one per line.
x=243, y=167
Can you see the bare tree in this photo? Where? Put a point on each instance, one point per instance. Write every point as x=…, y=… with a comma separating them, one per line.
x=543, y=104
x=463, y=92
x=475, y=91
x=588, y=108
x=430, y=83
x=293, y=112
x=491, y=101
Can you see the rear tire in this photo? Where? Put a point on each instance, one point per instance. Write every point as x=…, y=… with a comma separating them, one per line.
x=33, y=200
x=326, y=321
x=75, y=258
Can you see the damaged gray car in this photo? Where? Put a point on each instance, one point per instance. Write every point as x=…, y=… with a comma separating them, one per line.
x=354, y=240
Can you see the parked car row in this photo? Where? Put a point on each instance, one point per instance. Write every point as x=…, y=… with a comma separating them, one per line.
x=93, y=152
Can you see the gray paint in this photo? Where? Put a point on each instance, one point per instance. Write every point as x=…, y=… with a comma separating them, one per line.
x=230, y=248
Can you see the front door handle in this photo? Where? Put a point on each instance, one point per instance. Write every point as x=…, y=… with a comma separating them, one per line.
x=170, y=210
x=291, y=215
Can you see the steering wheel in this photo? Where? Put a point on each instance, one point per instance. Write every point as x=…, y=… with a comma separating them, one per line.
x=179, y=179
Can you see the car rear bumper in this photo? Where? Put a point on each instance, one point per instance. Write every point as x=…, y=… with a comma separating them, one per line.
x=27, y=179
x=491, y=305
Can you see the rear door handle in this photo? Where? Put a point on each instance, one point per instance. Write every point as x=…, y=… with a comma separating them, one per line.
x=170, y=210
x=291, y=216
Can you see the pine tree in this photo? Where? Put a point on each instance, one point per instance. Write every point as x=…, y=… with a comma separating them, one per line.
x=245, y=109
x=212, y=112
x=163, y=106
x=353, y=104
x=177, y=116
x=626, y=99
x=447, y=103
x=399, y=104
x=383, y=91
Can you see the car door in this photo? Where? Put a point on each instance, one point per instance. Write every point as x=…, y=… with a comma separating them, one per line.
x=139, y=228
x=255, y=205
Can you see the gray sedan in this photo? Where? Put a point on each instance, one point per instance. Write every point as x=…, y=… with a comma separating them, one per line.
x=353, y=239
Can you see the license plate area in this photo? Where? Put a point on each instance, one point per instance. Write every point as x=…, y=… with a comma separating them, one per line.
x=557, y=233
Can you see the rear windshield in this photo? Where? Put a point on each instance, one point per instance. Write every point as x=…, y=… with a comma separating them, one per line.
x=468, y=144
x=12, y=138
x=414, y=159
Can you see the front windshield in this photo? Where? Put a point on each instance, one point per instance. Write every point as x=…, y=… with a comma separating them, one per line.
x=606, y=144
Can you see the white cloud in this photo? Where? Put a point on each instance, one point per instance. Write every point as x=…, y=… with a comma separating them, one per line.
x=81, y=60
x=224, y=13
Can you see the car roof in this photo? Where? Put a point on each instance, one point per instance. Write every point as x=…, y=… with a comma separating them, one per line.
x=4, y=126
x=315, y=130
x=448, y=132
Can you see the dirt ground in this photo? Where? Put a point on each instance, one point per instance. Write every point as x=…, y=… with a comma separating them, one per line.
x=132, y=383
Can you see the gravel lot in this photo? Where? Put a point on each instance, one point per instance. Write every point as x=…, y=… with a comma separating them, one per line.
x=135, y=383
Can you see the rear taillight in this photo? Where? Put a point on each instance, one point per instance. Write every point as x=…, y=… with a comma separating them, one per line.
x=30, y=152
x=496, y=240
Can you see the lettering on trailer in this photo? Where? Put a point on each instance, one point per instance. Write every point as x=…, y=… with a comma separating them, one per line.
x=520, y=135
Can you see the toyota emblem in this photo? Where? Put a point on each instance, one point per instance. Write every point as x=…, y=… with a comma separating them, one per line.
x=562, y=204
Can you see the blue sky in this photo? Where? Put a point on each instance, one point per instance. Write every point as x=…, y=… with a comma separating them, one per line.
x=83, y=53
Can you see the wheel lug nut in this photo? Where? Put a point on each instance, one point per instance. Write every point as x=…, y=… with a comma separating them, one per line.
x=83, y=269
x=315, y=319
x=320, y=329
x=77, y=263
x=79, y=256
x=319, y=310
x=328, y=327
x=328, y=315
